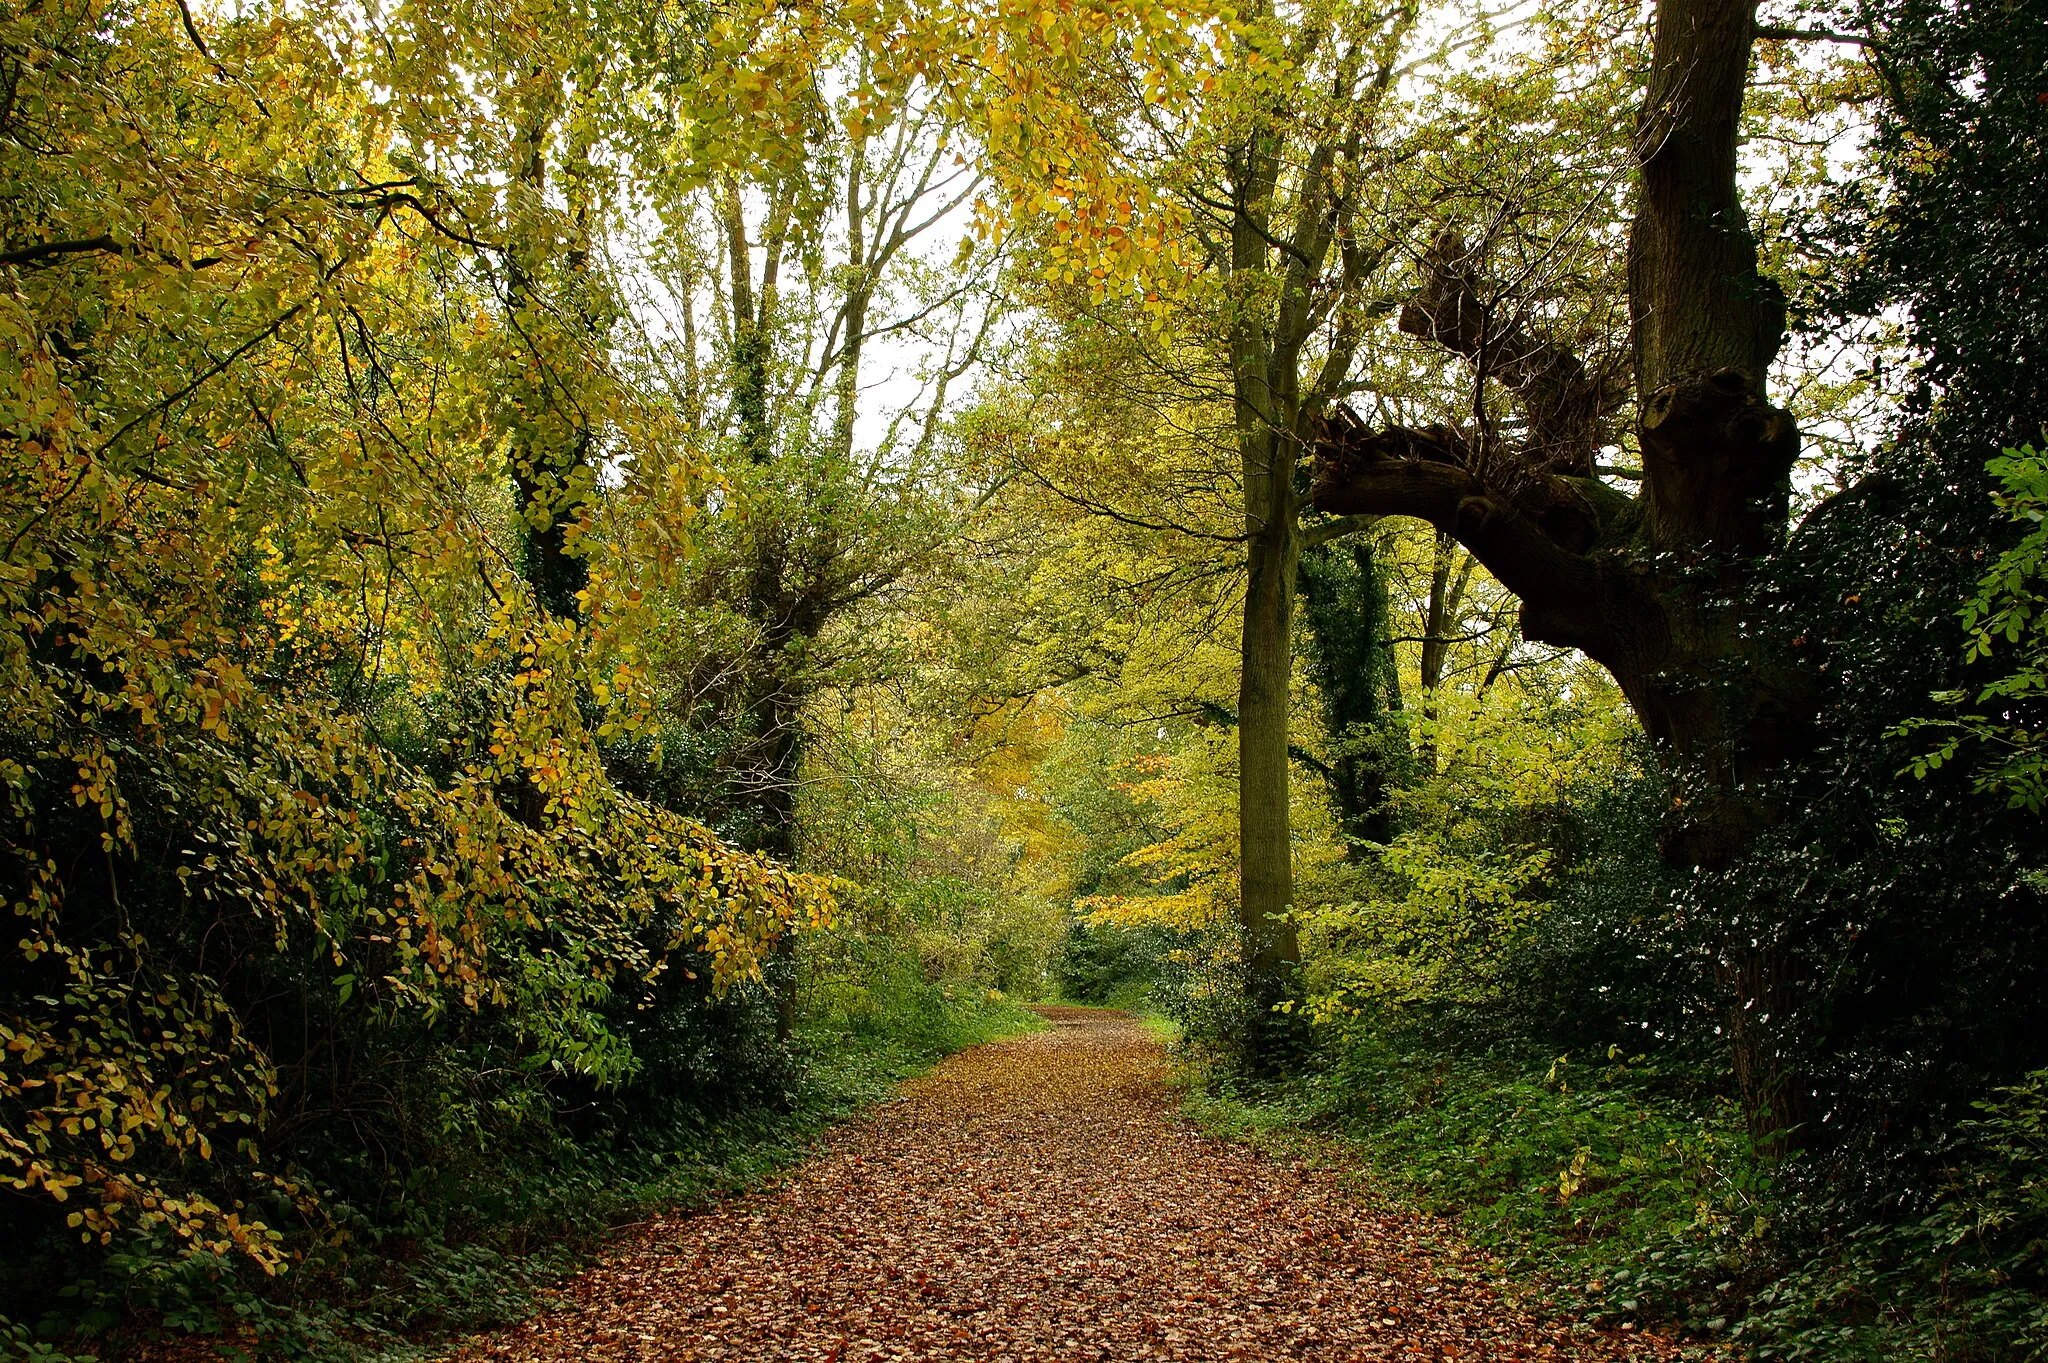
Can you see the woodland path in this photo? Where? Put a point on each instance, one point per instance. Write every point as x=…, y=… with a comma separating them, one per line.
x=1038, y=1199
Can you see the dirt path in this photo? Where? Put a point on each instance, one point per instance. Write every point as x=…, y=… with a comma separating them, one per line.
x=1037, y=1199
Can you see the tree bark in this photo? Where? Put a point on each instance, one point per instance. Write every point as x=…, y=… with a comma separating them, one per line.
x=1696, y=300
x=1444, y=609
x=1265, y=344
x=1279, y=241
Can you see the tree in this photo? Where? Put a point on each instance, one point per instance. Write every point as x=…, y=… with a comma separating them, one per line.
x=1292, y=166
x=303, y=757
x=800, y=267
x=1278, y=222
x=1244, y=311
x=1653, y=586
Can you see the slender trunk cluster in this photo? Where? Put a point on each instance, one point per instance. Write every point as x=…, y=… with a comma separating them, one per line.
x=798, y=564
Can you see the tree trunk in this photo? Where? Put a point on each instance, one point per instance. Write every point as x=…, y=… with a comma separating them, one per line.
x=781, y=762
x=1707, y=326
x=1441, y=614
x=1266, y=898
x=1265, y=347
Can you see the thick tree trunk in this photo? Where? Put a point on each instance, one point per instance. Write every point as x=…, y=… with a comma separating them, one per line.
x=1265, y=347
x=1717, y=460
x=1651, y=587
x=1696, y=301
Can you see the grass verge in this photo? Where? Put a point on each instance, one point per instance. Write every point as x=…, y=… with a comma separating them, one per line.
x=1625, y=1193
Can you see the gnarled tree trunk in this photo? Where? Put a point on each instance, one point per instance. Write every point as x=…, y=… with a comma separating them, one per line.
x=1647, y=586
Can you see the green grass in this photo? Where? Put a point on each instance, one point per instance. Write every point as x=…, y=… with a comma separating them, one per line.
x=1134, y=1000
x=1133, y=996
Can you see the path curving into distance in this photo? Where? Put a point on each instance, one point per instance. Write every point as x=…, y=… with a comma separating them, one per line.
x=1038, y=1200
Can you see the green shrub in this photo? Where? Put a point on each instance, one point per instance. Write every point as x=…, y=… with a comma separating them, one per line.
x=1966, y=1281
x=1097, y=960
x=504, y=1189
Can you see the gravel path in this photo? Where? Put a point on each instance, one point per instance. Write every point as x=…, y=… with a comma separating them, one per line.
x=1037, y=1200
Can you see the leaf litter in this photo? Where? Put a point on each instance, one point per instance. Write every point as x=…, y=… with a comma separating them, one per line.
x=1040, y=1199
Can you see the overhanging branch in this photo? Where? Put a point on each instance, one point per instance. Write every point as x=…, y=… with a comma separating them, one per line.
x=1422, y=473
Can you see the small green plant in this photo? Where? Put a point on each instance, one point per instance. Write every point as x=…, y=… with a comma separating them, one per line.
x=1966, y=1280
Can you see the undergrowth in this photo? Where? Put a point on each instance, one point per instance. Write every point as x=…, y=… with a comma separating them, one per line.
x=1625, y=1195
x=383, y=1289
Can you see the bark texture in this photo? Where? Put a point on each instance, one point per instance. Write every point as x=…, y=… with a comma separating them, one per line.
x=1281, y=225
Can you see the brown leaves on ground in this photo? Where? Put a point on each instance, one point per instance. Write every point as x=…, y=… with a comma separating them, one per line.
x=1036, y=1200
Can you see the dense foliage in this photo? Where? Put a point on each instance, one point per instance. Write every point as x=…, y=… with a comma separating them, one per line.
x=586, y=583
x=1524, y=999
x=370, y=920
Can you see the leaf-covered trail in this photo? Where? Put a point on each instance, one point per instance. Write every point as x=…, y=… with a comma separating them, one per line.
x=1038, y=1199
